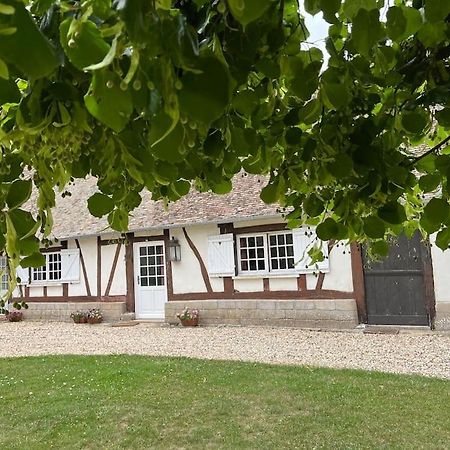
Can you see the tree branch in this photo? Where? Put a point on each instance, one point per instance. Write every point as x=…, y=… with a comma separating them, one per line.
x=428, y=152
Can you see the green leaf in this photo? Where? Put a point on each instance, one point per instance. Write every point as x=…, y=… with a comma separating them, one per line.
x=18, y=193
x=437, y=10
x=169, y=148
x=100, y=204
x=415, y=122
x=27, y=48
x=270, y=193
x=223, y=187
x=118, y=220
x=245, y=101
x=107, y=60
x=329, y=9
x=402, y=22
x=310, y=112
x=107, y=102
x=82, y=43
x=374, y=227
x=380, y=248
x=34, y=260
x=443, y=117
x=24, y=224
x=9, y=92
x=4, y=72
x=436, y=211
x=313, y=205
x=443, y=239
x=246, y=11
x=327, y=230
x=366, y=30
x=352, y=7
x=392, y=213
x=205, y=95
x=430, y=182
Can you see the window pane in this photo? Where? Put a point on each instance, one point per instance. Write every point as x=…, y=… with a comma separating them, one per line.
x=252, y=253
x=144, y=282
x=272, y=240
x=274, y=263
x=280, y=239
x=282, y=264
x=244, y=254
x=290, y=251
x=252, y=264
x=282, y=251
x=261, y=265
x=251, y=241
x=259, y=241
x=160, y=281
x=289, y=239
x=143, y=251
x=291, y=263
x=144, y=272
x=244, y=265
x=243, y=242
x=152, y=281
x=260, y=253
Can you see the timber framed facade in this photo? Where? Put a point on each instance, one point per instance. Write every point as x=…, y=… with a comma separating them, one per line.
x=239, y=265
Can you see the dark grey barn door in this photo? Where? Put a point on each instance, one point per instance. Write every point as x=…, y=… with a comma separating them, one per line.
x=395, y=287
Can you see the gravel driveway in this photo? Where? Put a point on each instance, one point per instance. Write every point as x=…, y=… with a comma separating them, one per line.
x=426, y=354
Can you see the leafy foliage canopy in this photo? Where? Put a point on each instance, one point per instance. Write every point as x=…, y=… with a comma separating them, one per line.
x=162, y=95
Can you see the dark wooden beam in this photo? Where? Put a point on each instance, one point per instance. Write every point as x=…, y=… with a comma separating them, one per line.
x=203, y=269
x=266, y=284
x=83, y=267
x=301, y=282
x=358, y=281
x=261, y=228
x=430, y=299
x=129, y=270
x=324, y=294
x=147, y=238
x=169, y=275
x=99, y=267
x=113, y=269
x=76, y=298
x=65, y=286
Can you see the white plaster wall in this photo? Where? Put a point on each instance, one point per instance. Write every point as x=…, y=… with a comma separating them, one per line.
x=283, y=284
x=35, y=291
x=187, y=276
x=339, y=278
x=441, y=272
x=250, y=284
x=55, y=291
x=89, y=250
x=119, y=284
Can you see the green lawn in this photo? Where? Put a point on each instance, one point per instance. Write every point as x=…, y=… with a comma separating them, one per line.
x=141, y=402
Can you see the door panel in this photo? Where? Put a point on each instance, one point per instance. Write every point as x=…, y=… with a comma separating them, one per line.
x=150, y=280
x=395, y=286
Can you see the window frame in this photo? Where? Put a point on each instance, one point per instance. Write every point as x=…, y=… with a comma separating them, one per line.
x=268, y=271
x=46, y=271
x=5, y=269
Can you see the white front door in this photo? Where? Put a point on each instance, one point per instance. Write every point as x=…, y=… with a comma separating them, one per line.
x=150, y=279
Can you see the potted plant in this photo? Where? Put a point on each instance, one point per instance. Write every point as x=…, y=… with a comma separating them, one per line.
x=15, y=316
x=79, y=317
x=94, y=315
x=189, y=317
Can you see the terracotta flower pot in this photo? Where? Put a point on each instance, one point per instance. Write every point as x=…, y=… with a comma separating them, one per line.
x=189, y=322
x=94, y=320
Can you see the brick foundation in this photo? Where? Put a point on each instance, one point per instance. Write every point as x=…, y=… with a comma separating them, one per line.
x=60, y=311
x=339, y=313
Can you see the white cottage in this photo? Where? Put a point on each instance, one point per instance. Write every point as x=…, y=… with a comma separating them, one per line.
x=234, y=259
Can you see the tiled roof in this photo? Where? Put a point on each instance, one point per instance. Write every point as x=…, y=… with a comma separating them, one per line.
x=72, y=218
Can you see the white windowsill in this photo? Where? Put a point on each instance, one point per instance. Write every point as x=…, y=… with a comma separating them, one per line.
x=44, y=283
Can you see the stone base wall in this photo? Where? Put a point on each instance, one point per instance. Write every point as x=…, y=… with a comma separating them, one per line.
x=60, y=311
x=442, y=321
x=341, y=313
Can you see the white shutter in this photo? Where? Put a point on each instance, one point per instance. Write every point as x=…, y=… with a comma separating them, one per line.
x=24, y=275
x=221, y=255
x=304, y=240
x=70, y=265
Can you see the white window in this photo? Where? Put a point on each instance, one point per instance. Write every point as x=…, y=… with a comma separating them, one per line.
x=51, y=271
x=281, y=252
x=60, y=267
